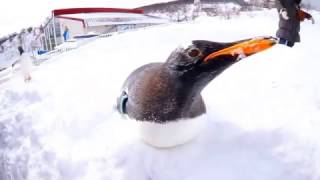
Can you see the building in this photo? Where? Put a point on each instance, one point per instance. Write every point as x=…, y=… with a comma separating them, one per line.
x=86, y=22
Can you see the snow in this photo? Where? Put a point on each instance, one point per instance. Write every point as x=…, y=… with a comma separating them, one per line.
x=263, y=112
x=223, y=6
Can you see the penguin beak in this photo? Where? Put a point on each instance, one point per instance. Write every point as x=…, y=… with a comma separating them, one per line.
x=244, y=48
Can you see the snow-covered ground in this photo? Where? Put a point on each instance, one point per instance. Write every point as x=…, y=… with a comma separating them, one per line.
x=264, y=112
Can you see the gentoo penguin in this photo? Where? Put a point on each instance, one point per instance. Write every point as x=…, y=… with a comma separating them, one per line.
x=165, y=98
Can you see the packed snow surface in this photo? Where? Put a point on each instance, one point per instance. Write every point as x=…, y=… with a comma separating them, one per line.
x=264, y=112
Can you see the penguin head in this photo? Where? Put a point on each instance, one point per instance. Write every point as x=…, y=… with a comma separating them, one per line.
x=171, y=90
x=208, y=59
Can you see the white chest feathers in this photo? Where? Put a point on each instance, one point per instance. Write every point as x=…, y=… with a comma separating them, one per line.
x=171, y=134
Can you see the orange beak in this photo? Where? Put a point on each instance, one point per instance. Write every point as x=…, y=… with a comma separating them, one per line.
x=245, y=48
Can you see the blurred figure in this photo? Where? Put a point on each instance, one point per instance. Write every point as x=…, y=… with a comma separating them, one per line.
x=66, y=33
x=1, y=49
x=24, y=41
x=290, y=16
x=36, y=42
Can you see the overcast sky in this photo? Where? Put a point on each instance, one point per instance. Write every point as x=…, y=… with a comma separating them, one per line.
x=315, y=3
x=18, y=14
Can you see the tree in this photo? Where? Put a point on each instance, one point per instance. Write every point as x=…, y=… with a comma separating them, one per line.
x=269, y=4
x=196, y=8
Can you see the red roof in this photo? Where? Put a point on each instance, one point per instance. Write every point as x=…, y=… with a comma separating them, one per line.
x=58, y=12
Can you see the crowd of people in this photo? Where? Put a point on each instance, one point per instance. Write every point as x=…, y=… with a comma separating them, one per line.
x=23, y=48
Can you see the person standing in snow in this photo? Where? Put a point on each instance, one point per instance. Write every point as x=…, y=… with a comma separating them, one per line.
x=24, y=41
x=20, y=42
x=290, y=16
x=36, y=42
x=66, y=33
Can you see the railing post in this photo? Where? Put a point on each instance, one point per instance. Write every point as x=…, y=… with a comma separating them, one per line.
x=54, y=31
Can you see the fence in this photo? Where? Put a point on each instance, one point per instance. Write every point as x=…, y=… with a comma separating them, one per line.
x=39, y=58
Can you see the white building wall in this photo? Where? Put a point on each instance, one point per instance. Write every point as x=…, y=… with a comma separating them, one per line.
x=75, y=27
x=100, y=29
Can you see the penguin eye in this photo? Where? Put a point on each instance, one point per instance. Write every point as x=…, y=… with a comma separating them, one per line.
x=194, y=52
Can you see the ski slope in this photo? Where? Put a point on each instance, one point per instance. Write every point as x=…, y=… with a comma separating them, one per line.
x=264, y=112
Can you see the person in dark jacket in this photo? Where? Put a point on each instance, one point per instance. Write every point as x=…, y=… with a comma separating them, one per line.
x=290, y=16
